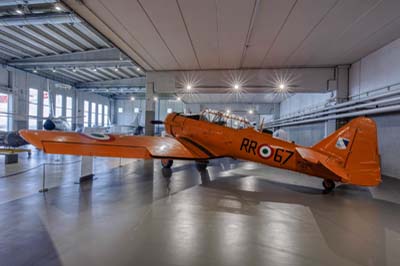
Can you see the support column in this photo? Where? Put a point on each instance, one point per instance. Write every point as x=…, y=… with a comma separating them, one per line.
x=150, y=109
x=342, y=89
x=342, y=83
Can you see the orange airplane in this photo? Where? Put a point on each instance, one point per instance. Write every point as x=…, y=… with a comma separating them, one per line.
x=349, y=155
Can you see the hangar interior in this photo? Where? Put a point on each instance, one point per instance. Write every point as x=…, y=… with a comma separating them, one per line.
x=299, y=68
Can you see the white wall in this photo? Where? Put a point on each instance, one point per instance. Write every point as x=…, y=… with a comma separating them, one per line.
x=19, y=82
x=379, y=69
x=128, y=115
x=302, y=101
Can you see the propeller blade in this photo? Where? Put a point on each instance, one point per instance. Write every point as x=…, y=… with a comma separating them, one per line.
x=156, y=122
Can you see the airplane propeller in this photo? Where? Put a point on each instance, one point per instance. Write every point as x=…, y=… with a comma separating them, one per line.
x=156, y=122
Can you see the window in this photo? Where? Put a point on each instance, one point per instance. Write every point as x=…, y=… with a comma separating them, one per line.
x=106, y=121
x=33, y=108
x=68, y=110
x=100, y=115
x=93, y=116
x=85, y=113
x=59, y=105
x=3, y=109
x=46, y=104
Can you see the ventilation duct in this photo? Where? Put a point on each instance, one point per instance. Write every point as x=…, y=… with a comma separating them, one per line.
x=25, y=2
x=39, y=19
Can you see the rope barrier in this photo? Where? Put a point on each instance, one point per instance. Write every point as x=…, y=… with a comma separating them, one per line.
x=36, y=167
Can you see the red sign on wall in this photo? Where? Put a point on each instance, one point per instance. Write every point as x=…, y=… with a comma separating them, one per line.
x=3, y=98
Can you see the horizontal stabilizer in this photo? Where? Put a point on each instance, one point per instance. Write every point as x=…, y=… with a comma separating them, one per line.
x=327, y=161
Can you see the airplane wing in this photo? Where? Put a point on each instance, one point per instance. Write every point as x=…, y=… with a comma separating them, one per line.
x=95, y=144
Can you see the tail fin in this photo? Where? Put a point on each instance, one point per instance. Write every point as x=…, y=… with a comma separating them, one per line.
x=352, y=152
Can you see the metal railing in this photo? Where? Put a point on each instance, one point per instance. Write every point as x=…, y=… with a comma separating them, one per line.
x=377, y=101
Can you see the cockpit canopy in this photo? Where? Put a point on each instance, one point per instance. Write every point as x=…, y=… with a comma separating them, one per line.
x=224, y=119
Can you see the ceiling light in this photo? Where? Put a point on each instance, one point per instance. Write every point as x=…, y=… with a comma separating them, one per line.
x=189, y=87
x=95, y=69
x=228, y=111
x=74, y=69
x=116, y=68
x=132, y=98
x=236, y=86
x=19, y=11
x=35, y=70
x=282, y=86
x=54, y=70
x=155, y=99
x=58, y=8
x=250, y=111
x=138, y=69
x=178, y=98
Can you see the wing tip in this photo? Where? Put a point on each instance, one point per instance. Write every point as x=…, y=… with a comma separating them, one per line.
x=32, y=137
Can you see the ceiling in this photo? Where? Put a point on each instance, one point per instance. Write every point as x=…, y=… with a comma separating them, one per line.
x=231, y=34
x=45, y=38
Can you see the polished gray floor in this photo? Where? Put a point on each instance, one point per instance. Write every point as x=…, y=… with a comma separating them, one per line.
x=235, y=213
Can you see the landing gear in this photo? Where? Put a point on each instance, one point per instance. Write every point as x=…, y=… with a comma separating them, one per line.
x=201, y=165
x=328, y=185
x=166, y=163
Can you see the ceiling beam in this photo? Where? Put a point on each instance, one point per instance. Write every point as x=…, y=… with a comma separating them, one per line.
x=130, y=82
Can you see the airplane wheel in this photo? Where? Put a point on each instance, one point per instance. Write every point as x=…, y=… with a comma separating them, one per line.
x=201, y=165
x=166, y=163
x=328, y=185
x=166, y=172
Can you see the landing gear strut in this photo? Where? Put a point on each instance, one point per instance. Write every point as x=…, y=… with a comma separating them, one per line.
x=201, y=165
x=166, y=163
x=328, y=185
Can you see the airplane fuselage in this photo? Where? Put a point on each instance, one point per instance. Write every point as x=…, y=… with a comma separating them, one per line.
x=246, y=144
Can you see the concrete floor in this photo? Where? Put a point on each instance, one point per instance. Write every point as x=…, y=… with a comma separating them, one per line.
x=235, y=213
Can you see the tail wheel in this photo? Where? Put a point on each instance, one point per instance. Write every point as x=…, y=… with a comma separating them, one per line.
x=328, y=185
x=166, y=163
x=201, y=165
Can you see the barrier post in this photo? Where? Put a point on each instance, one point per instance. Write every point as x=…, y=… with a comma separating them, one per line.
x=44, y=189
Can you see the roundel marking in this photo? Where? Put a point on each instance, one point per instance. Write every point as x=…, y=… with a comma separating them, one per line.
x=265, y=151
x=97, y=136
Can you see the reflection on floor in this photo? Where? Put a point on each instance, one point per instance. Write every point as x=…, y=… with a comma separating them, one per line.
x=234, y=213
